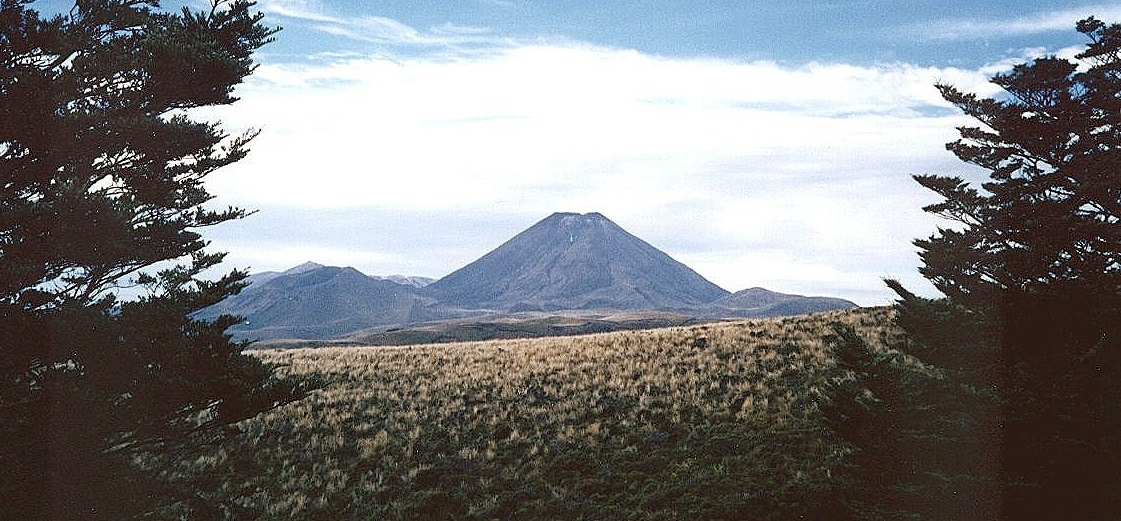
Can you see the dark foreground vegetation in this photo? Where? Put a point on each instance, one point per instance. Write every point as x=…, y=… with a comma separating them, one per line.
x=101, y=184
x=1027, y=344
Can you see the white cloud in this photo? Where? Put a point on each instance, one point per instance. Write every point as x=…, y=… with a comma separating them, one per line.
x=1061, y=20
x=755, y=174
x=375, y=29
x=311, y=10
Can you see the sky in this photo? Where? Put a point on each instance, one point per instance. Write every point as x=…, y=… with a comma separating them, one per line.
x=764, y=144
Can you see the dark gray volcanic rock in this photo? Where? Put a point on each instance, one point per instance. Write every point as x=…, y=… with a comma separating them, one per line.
x=318, y=302
x=573, y=261
x=759, y=302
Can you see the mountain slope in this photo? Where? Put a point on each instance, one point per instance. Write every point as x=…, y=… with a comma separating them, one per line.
x=265, y=276
x=573, y=261
x=759, y=302
x=406, y=280
x=317, y=302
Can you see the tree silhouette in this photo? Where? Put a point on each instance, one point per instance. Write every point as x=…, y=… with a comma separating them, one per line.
x=101, y=182
x=918, y=439
x=1031, y=269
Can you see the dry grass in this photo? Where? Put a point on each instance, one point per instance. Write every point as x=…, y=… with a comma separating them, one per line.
x=711, y=420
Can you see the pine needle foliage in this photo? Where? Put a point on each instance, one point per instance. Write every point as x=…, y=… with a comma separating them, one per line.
x=101, y=182
x=1024, y=353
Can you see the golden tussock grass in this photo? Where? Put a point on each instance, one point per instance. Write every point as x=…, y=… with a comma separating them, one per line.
x=587, y=426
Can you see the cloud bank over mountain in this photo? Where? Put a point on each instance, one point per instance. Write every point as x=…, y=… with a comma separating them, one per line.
x=455, y=126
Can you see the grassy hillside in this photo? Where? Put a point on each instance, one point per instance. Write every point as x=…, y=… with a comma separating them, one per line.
x=714, y=421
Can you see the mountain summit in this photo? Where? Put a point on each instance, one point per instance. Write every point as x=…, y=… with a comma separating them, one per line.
x=574, y=261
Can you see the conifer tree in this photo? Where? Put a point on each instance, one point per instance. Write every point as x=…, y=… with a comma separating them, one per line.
x=915, y=438
x=101, y=182
x=1031, y=271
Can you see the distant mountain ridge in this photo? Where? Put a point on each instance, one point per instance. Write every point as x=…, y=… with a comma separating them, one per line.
x=567, y=263
x=418, y=282
x=313, y=301
x=759, y=302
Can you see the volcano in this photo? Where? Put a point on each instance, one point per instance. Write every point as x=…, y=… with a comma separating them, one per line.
x=575, y=261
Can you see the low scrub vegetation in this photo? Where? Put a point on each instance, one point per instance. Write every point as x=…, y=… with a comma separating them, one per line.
x=714, y=421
